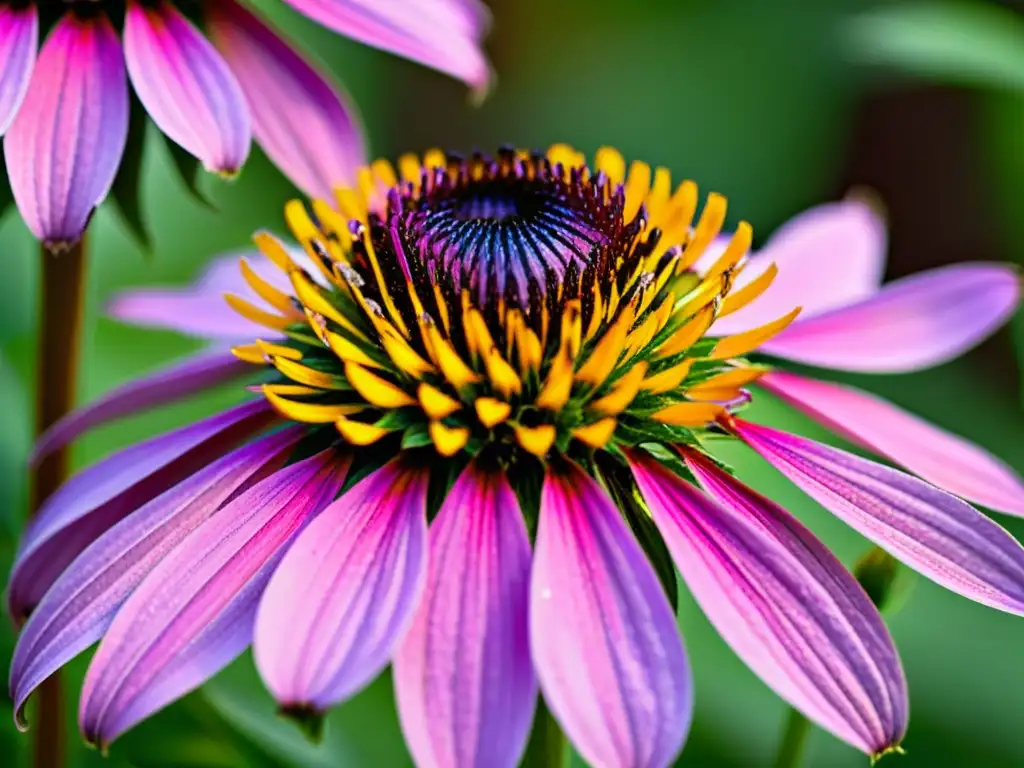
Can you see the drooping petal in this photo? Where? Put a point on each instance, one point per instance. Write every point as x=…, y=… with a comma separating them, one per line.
x=19, y=39
x=176, y=381
x=829, y=256
x=604, y=641
x=193, y=613
x=67, y=139
x=782, y=601
x=186, y=86
x=76, y=611
x=938, y=456
x=932, y=531
x=346, y=591
x=192, y=311
x=305, y=123
x=464, y=681
x=200, y=310
x=97, y=497
x=443, y=34
x=917, y=322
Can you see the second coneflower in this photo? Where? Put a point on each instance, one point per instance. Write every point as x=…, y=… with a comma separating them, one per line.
x=211, y=74
x=509, y=369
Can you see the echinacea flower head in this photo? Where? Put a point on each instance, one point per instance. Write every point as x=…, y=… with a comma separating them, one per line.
x=490, y=390
x=211, y=74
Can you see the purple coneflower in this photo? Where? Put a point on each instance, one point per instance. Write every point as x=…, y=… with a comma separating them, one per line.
x=66, y=114
x=512, y=369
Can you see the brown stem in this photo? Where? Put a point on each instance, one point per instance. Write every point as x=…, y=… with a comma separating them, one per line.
x=61, y=302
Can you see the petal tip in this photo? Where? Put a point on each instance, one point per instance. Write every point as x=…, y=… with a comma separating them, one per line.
x=307, y=718
x=59, y=244
x=892, y=749
x=20, y=721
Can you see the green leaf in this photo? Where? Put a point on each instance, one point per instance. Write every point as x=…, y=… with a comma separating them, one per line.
x=619, y=482
x=127, y=188
x=978, y=44
x=189, y=171
x=238, y=697
x=6, y=196
x=190, y=733
x=363, y=731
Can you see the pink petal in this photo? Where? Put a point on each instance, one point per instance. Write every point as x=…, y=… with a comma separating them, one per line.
x=930, y=530
x=96, y=498
x=78, y=608
x=305, y=123
x=605, y=644
x=19, y=38
x=176, y=381
x=346, y=591
x=913, y=323
x=200, y=309
x=938, y=456
x=193, y=613
x=443, y=34
x=829, y=256
x=782, y=601
x=66, y=142
x=464, y=681
x=186, y=86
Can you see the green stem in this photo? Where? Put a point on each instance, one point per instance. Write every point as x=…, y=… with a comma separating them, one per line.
x=62, y=300
x=794, y=741
x=547, y=747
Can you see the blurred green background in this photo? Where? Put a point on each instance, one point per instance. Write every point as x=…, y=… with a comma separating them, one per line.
x=777, y=105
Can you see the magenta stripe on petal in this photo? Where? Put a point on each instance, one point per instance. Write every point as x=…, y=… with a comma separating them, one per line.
x=345, y=592
x=305, y=123
x=97, y=497
x=193, y=613
x=443, y=34
x=66, y=142
x=829, y=256
x=604, y=640
x=78, y=608
x=938, y=456
x=464, y=680
x=186, y=86
x=782, y=601
x=913, y=323
x=180, y=379
x=19, y=39
x=932, y=531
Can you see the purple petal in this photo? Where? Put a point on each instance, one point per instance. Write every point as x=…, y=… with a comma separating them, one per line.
x=464, y=681
x=200, y=309
x=186, y=86
x=76, y=611
x=913, y=323
x=305, y=123
x=938, y=456
x=169, y=384
x=930, y=530
x=19, y=39
x=96, y=498
x=193, y=613
x=346, y=591
x=443, y=34
x=66, y=142
x=829, y=256
x=782, y=601
x=604, y=641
